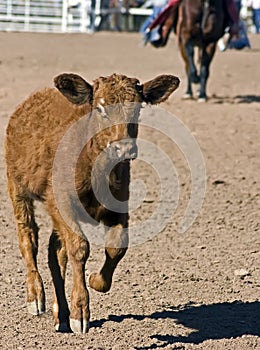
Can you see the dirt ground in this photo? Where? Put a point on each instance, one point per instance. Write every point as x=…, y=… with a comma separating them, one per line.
x=196, y=290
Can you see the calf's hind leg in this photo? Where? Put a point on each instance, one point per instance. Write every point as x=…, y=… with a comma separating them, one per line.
x=27, y=231
x=57, y=259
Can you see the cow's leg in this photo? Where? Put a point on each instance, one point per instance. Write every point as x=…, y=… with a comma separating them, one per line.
x=188, y=93
x=78, y=253
x=66, y=241
x=206, y=58
x=28, y=243
x=116, y=247
x=57, y=259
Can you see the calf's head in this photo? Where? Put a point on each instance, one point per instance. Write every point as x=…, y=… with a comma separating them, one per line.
x=115, y=103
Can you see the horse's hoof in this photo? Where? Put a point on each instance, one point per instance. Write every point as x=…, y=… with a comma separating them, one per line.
x=187, y=97
x=202, y=99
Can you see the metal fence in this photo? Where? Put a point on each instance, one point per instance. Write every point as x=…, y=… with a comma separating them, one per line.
x=60, y=15
x=70, y=16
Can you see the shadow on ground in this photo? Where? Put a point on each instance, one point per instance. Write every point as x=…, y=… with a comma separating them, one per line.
x=247, y=98
x=215, y=321
x=243, y=99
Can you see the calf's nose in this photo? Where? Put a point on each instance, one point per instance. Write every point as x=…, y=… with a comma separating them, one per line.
x=133, y=152
x=126, y=149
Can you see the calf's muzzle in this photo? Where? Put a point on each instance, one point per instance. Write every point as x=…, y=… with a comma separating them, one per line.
x=125, y=149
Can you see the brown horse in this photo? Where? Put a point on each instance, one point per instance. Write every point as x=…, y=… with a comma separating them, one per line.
x=200, y=24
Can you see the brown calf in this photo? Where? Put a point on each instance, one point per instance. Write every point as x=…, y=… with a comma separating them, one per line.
x=34, y=133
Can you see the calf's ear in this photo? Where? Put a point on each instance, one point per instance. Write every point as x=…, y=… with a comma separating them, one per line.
x=74, y=88
x=160, y=88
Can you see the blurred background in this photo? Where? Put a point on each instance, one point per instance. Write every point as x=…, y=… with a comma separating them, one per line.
x=85, y=16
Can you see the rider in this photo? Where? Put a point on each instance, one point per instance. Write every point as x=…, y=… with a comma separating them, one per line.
x=169, y=14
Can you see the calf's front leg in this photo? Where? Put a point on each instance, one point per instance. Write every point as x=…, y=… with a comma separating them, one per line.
x=57, y=259
x=66, y=243
x=116, y=247
x=78, y=253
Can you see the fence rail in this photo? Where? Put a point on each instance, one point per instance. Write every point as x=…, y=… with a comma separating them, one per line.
x=73, y=15
x=56, y=15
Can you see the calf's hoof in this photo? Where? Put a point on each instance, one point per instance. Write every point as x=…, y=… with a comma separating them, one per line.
x=35, y=294
x=97, y=282
x=79, y=326
x=36, y=307
x=63, y=328
x=79, y=311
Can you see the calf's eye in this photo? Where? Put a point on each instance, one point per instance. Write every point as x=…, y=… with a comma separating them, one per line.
x=101, y=110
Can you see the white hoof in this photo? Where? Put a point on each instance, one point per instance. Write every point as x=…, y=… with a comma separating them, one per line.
x=187, y=97
x=78, y=326
x=62, y=327
x=85, y=326
x=36, y=307
x=202, y=99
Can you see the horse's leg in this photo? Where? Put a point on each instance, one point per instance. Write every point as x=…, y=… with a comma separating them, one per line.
x=188, y=93
x=193, y=75
x=116, y=247
x=28, y=243
x=206, y=58
x=57, y=259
